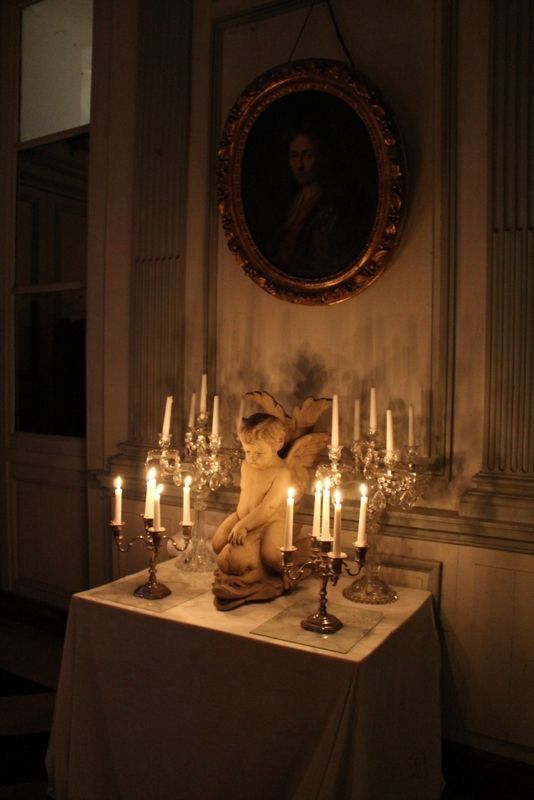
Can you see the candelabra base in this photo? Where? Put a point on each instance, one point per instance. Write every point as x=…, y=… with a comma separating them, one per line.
x=321, y=623
x=152, y=591
x=370, y=588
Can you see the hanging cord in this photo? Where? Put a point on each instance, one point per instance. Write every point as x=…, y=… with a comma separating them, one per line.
x=308, y=15
x=338, y=33
x=336, y=29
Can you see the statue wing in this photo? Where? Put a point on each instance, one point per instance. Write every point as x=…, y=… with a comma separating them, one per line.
x=303, y=454
x=308, y=413
x=269, y=404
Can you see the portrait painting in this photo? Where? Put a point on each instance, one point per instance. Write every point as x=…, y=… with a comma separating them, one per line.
x=311, y=182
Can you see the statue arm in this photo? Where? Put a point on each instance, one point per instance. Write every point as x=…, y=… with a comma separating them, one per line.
x=265, y=510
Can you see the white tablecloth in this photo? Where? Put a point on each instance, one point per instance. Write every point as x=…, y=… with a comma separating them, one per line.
x=189, y=704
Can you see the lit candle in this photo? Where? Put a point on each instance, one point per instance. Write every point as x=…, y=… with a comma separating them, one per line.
x=165, y=428
x=240, y=415
x=411, y=438
x=117, y=505
x=203, y=393
x=157, y=508
x=215, y=417
x=150, y=489
x=372, y=410
x=316, y=527
x=335, y=421
x=186, y=516
x=390, y=445
x=361, y=539
x=325, y=521
x=336, y=548
x=191, y=421
x=356, y=420
x=288, y=533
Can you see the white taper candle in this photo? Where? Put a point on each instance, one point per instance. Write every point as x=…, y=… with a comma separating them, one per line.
x=215, y=417
x=316, y=526
x=336, y=547
x=288, y=533
x=203, y=393
x=186, y=513
x=372, y=410
x=325, y=519
x=192, y=410
x=356, y=430
x=117, y=504
x=165, y=428
x=335, y=421
x=150, y=489
x=361, y=539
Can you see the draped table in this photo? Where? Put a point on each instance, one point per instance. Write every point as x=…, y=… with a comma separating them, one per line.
x=172, y=699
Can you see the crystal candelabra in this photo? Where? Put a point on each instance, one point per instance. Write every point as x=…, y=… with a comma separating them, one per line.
x=394, y=478
x=328, y=567
x=333, y=471
x=152, y=538
x=203, y=469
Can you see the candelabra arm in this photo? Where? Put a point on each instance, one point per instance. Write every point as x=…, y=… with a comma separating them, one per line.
x=187, y=533
x=291, y=571
x=361, y=553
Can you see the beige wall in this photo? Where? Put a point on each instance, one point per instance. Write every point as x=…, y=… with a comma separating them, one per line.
x=163, y=281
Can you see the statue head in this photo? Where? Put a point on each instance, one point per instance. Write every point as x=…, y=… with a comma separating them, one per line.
x=262, y=436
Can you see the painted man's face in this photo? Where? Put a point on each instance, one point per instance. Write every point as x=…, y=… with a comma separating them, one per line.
x=303, y=159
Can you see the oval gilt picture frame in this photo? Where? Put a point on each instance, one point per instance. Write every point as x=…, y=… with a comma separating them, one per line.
x=311, y=182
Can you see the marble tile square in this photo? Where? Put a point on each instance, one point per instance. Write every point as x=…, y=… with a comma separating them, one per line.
x=184, y=586
x=357, y=622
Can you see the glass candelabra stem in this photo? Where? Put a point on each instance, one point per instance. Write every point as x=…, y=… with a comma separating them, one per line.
x=200, y=557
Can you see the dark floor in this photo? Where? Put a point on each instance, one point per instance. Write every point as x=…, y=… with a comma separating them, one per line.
x=31, y=639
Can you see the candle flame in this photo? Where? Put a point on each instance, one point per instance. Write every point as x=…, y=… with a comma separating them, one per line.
x=151, y=474
x=318, y=486
x=327, y=483
x=363, y=490
x=290, y=493
x=118, y=483
x=337, y=497
x=188, y=480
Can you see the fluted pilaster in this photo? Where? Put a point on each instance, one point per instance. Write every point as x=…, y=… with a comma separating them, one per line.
x=505, y=486
x=156, y=335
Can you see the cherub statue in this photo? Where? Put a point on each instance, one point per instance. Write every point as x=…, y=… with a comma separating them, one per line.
x=278, y=451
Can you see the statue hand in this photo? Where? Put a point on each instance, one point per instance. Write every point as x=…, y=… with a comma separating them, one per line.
x=237, y=535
